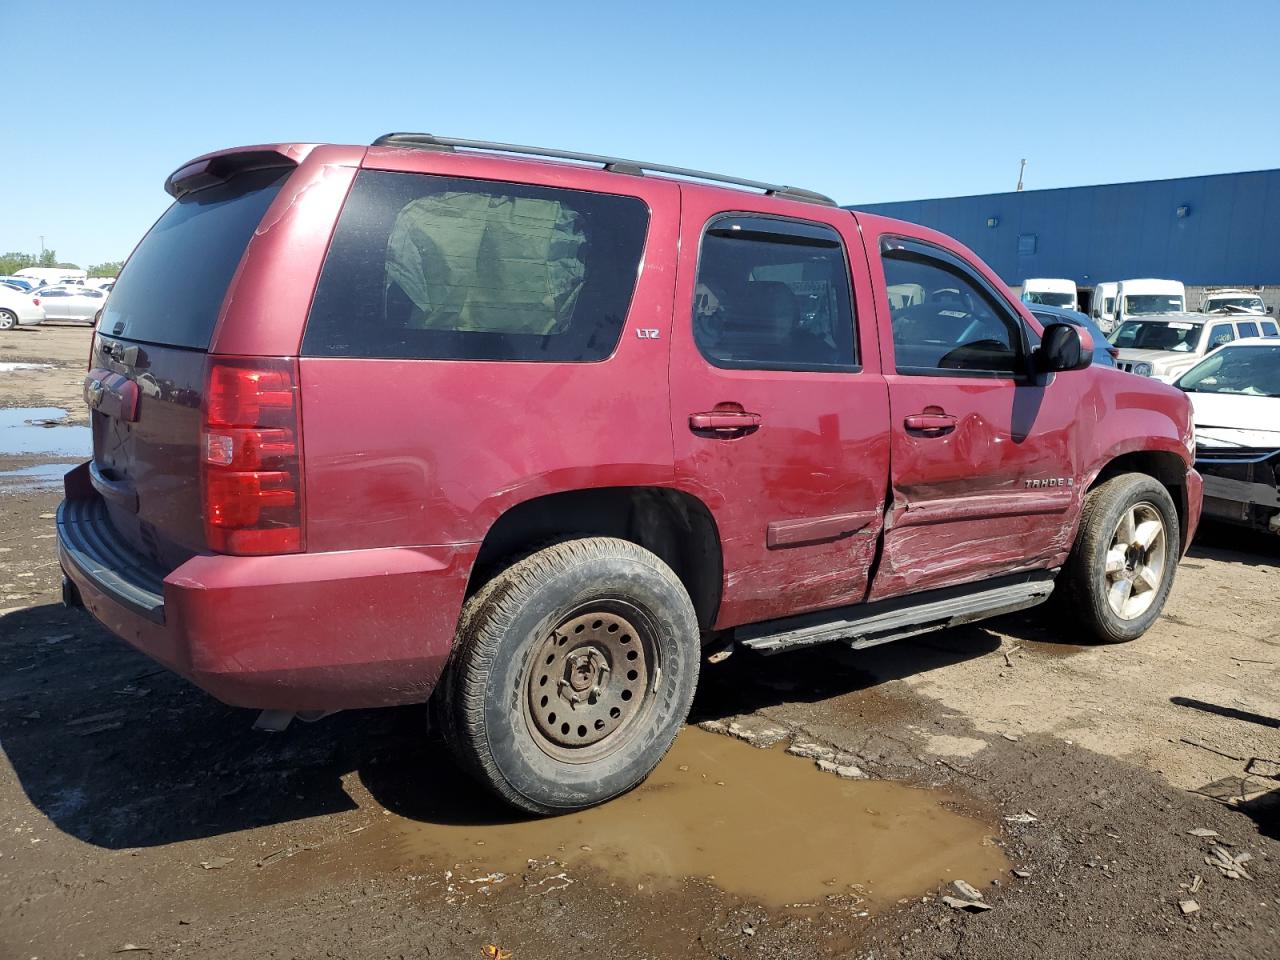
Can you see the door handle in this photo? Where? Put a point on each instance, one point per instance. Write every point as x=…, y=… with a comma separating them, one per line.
x=934, y=424
x=725, y=422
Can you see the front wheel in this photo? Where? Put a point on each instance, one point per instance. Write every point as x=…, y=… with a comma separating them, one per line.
x=1121, y=568
x=574, y=670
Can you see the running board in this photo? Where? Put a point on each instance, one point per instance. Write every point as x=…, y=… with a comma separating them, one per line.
x=866, y=625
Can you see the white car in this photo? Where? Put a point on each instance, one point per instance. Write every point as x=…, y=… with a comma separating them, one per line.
x=71, y=302
x=1235, y=393
x=1168, y=345
x=18, y=309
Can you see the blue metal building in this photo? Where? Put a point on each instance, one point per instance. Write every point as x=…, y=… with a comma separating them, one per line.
x=1221, y=229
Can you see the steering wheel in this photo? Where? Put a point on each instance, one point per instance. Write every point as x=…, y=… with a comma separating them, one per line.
x=975, y=356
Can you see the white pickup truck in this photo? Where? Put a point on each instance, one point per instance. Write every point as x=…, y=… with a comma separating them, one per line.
x=1232, y=301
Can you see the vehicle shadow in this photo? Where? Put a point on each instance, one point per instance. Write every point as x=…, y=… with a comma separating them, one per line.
x=747, y=682
x=120, y=753
x=1230, y=544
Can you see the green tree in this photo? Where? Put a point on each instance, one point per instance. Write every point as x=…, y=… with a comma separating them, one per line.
x=12, y=262
x=109, y=269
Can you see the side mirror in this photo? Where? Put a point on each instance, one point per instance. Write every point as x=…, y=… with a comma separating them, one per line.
x=1064, y=347
x=1271, y=310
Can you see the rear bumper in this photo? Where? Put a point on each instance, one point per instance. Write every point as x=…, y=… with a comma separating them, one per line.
x=325, y=631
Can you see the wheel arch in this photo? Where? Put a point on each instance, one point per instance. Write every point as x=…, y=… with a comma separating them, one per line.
x=1169, y=468
x=673, y=524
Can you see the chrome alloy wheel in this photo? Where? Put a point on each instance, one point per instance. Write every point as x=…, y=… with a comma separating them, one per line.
x=1135, y=565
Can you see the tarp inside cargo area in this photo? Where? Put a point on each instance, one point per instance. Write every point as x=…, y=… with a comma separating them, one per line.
x=486, y=262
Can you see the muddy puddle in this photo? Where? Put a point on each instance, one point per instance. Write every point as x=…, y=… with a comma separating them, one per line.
x=38, y=431
x=758, y=824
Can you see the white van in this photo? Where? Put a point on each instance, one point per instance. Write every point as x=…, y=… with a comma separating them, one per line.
x=1140, y=298
x=1051, y=293
x=1104, y=305
x=52, y=275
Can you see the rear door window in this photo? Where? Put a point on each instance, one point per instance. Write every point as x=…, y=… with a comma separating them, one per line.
x=445, y=268
x=171, y=290
x=773, y=294
x=1247, y=329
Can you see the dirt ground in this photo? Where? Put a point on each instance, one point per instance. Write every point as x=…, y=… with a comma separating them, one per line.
x=138, y=815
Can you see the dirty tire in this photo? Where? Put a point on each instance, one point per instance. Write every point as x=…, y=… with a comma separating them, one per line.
x=1084, y=579
x=490, y=712
x=8, y=319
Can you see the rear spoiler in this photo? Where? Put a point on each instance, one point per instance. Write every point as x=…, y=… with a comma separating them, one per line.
x=218, y=168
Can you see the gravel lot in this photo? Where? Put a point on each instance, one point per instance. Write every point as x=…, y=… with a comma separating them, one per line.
x=1063, y=781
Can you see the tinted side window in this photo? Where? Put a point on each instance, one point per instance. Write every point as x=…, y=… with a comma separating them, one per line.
x=773, y=294
x=945, y=318
x=1269, y=329
x=453, y=269
x=1247, y=329
x=1220, y=334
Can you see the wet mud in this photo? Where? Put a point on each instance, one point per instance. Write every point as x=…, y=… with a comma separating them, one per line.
x=758, y=824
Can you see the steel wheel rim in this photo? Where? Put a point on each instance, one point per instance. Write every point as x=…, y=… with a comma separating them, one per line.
x=1134, y=567
x=591, y=681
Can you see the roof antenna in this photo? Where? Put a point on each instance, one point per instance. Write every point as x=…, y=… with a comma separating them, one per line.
x=1022, y=166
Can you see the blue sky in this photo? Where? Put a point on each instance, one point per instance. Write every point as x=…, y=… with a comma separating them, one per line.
x=863, y=101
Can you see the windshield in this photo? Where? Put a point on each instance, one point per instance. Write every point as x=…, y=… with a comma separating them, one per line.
x=1225, y=305
x=1146, y=335
x=1137, y=304
x=1048, y=299
x=1251, y=371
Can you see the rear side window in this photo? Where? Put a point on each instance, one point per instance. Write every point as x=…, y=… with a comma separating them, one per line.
x=452, y=269
x=1249, y=329
x=171, y=290
x=1269, y=329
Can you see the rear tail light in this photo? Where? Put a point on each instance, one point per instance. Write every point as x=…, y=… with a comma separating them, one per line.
x=250, y=458
x=36, y=301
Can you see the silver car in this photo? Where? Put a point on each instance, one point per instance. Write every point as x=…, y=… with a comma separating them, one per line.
x=71, y=302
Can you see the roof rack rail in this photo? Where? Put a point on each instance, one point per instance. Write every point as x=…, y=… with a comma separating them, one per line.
x=428, y=141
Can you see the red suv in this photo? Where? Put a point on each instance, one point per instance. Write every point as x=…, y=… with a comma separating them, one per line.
x=527, y=432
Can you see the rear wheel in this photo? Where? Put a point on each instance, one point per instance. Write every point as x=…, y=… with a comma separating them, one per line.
x=574, y=670
x=1121, y=568
x=8, y=319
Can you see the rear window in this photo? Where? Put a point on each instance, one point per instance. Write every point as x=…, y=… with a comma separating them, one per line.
x=171, y=290
x=452, y=269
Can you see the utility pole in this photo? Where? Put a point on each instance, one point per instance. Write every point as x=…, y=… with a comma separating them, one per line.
x=1022, y=167
x=42, y=246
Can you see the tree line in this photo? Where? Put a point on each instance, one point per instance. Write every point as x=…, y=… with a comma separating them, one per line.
x=12, y=262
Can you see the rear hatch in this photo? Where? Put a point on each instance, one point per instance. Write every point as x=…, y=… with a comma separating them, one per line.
x=148, y=364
